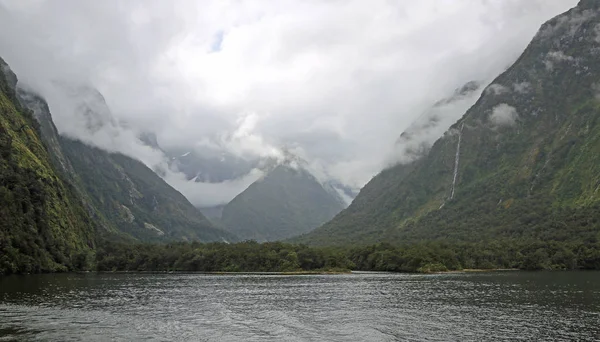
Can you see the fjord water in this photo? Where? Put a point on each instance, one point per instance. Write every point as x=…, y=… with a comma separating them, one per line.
x=355, y=307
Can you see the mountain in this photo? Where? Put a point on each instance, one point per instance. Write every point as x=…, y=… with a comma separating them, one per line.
x=44, y=226
x=523, y=162
x=135, y=200
x=287, y=201
x=124, y=197
x=417, y=139
x=413, y=144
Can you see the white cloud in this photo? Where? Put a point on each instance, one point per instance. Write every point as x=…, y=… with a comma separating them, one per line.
x=554, y=57
x=204, y=194
x=418, y=138
x=560, y=56
x=504, y=115
x=496, y=89
x=522, y=87
x=339, y=80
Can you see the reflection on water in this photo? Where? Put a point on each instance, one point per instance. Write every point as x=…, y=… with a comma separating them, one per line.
x=356, y=307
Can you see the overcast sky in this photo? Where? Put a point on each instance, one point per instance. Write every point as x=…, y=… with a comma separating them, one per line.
x=336, y=81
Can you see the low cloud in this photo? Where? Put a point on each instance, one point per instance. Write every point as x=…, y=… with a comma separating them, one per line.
x=504, y=115
x=496, y=89
x=522, y=87
x=554, y=57
x=203, y=194
x=338, y=81
x=418, y=138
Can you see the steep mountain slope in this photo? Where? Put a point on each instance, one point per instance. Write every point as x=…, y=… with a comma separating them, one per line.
x=523, y=162
x=135, y=200
x=124, y=197
x=43, y=225
x=288, y=201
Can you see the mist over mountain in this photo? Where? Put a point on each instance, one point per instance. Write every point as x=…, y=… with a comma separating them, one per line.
x=211, y=167
x=418, y=138
x=521, y=163
x=391, y=136
x=236, y=89
x=272, y=140
x=123, y=196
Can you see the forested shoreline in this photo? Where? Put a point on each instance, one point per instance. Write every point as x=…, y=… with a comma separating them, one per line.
x=426, y=257
x=251, y=256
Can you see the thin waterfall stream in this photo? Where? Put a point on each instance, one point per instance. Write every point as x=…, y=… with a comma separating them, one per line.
x=456, y=161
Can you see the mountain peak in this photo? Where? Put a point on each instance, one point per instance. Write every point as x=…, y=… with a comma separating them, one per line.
x=287, y=201
x=291, y=159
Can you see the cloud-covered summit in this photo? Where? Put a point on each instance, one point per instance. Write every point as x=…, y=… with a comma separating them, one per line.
x=334, y=81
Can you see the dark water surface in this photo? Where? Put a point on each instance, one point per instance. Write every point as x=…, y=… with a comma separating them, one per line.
x=495, y=306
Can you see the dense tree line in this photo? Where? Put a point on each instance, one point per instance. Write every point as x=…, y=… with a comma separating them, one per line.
x=498, y=254
x=251, y=256
x=246, y=256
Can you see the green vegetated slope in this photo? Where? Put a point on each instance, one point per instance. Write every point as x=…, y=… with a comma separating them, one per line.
x=133, y=199
x=43, y=224
x=526, y=156
x=126, y=199
x=288, y=201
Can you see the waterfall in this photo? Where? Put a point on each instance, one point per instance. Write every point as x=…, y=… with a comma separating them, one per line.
x=456, y=160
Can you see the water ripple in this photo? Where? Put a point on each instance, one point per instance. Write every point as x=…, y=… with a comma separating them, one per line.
x=506, y=306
